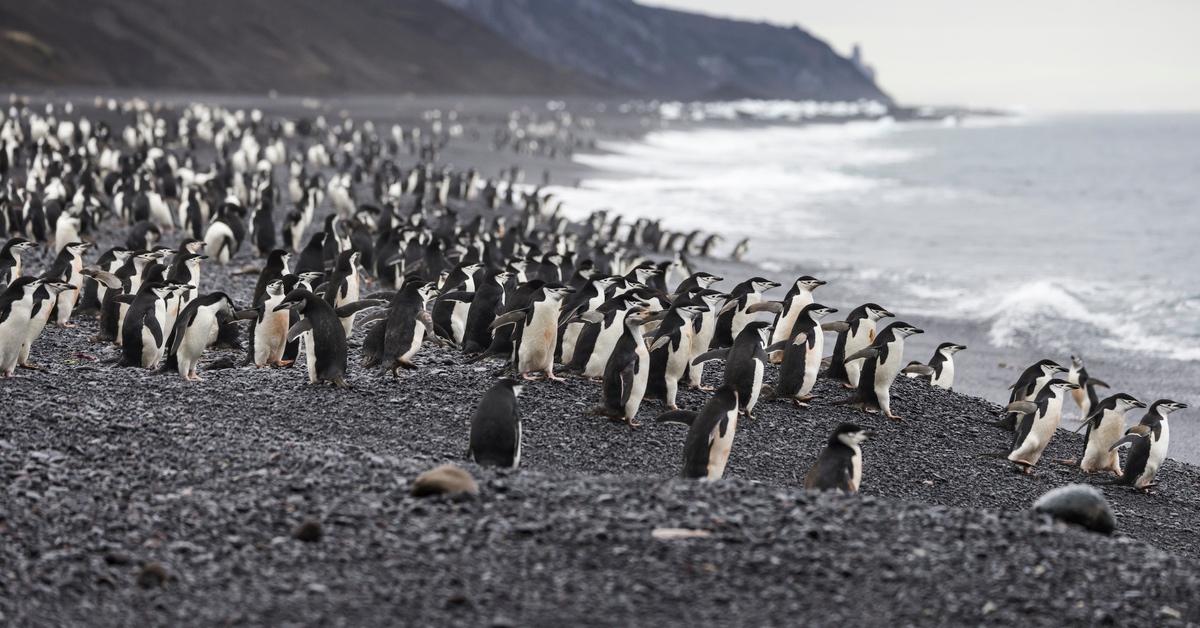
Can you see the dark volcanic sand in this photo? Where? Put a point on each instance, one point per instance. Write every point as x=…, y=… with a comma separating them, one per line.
x=108, y=469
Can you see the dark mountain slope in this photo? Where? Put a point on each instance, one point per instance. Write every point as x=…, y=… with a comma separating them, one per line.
x=294, y=46
x=674, y=54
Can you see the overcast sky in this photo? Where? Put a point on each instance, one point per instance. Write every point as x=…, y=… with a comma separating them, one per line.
x=1041, y=54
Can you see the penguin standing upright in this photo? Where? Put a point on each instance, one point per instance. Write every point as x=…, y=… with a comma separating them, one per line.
x=705, y=328
x=495, y=439
x=142, y=333
x=488, y=301
x=325, y=344
x=536, y=333
x=16, y=308
x=195, y=328
x=671, y=351
x=1105, y=427
x=839, y=465
x=43, y=306
x=1039, y=421
x=1148, y=442
x=343, y=285
x=392, y=342
x=745, y=364
x=940, y=371
x=710, y=434
x=67, y=267
x=10, y=259
x=1028, y=385
x=1085, y=396
x=862, y=321
x=882, y=361
x=739, y=310
x=626, y=372
x=802, y=356
x=797, y=297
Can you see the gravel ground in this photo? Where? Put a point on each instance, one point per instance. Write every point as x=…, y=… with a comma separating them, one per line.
x=134, y=497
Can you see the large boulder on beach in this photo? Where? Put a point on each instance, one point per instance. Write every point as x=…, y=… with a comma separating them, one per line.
x=1078, y=504
x=447, y=479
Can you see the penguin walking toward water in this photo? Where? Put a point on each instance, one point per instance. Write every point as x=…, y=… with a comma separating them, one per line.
x=881, y=363
x=710, y=434
x=1148, y=442
x=1085, y=396
x=495, y=439
x=16, y=310
x=940, y=370
x=195, y=329
x=745, y=363
x=536, y=333
x=839, y=465
x=859, y=335
x=392, y=342
x=1039, y=421
x=802, y=356
x=671, y=351
x=626, y=372
x=797, y=297
x=1105, y=427
x=1027, y=387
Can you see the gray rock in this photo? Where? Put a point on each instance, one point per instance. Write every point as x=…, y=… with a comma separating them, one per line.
x=1078, y=504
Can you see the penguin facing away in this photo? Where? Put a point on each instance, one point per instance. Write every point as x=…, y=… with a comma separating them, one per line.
x=710, y=434
x=626, y=372
x=1148, y=442
x=745, y=363
x=495, y=439
x=839, y=465
x=1027, y=387
x=859, y=335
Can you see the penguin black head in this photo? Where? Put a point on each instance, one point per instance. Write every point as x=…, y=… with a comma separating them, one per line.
x=295, y=300
x=809, y=283
x=1163, y=407
x=876, y=312
x=1123, y=402
x=761, y=285
x=762, y=327
x=515, y=386
x=690, y=308
x=816, y=311
x=278, y=258
x=725, y=398
x=78, y=248
x=192, y=246
x=902, y=329
x=1076, y=362
x=17, y=245
x=25, y=285
x=1057, y=386
x=704, y=280
x=1050, y=367
x=950, y=348
x=850, y=435
x=556, y=291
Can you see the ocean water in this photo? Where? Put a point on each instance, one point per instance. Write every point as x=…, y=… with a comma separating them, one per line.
x=1033, y=236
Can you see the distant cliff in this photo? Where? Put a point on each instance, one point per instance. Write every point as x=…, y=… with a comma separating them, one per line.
x=545, y=47
x=673, y=54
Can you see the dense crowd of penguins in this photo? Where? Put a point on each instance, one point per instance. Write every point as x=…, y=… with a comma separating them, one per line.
x=487, y=266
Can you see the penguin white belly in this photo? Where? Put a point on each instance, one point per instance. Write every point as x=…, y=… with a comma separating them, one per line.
x=34, y=329
x=195, y=340
x=352, y=290
x=605, y=341
x=418, y=334
x=718, y=450
x=855, y=342
x=855, y=468
x=1158, y=453
x=741, y=317
x=270, y=336
x=517, y=454
x=812, y=364
x=536, y=352
x=214, y=242
x=67, y=300
x=945, y=379
x=458, y=321
x=638, y=389
x=310, y=356
x=570, y=337
x=758, y=378
x=1096, y=456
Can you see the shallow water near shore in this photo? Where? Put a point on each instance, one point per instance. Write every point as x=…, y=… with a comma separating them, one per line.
x=1022, y=237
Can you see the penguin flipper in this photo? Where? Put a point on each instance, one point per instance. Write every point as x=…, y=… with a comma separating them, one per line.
x=250, y=314
x=1019, y=407
x=358, y=306
x=774, y=307
x=511, y=318
x=110, y=281
x=679, y=417
x=836, y=326
x=865, y=354
x=155, y=329
x=1098, y=382
x=299, y=328
x=181, y=325
x=660, y=342
x=715, y=354
x=918, y=369
x=125, y=298
x=1132, y=435
x=382, y=296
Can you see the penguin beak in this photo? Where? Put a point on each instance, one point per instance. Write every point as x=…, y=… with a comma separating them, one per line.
x=1136, y=403
x=287, y=305
x=868, y=433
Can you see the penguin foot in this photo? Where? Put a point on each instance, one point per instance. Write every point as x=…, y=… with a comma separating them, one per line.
x=1070, y=462
x=894, y=417
x=554, y=378
x=632, y=422
x=529, y=377
x=31, y=366
x=799, y=404
x=702, y=388
x=848, y=386
x=806, y=398
x=67, y=325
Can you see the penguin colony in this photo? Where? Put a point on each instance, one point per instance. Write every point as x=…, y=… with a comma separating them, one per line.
x=417, y=262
